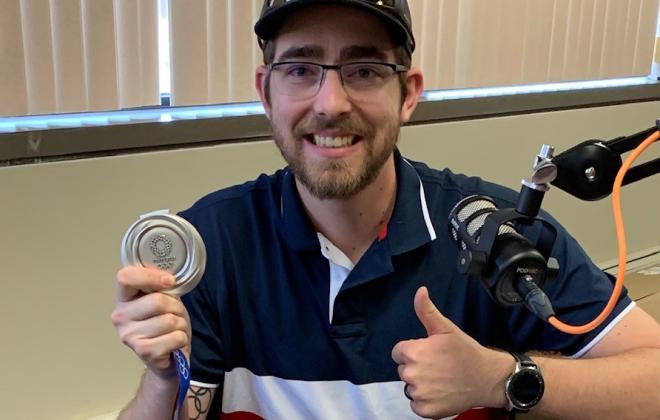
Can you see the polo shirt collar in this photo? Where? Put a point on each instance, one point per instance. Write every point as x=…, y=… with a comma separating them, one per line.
x=297, y=228
x=409, y=227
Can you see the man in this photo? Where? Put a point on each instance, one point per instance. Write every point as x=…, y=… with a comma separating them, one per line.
x=331, y=290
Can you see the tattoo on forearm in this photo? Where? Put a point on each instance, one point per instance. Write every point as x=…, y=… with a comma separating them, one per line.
x=201, y=402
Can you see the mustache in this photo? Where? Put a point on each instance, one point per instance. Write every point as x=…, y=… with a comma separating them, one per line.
x=312, y=124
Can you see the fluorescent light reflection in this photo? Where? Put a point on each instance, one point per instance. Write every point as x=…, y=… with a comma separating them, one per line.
x=442, y=95
x=167, y=115
x=94, y=119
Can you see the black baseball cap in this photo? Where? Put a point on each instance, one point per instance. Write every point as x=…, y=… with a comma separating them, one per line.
x=395, y=14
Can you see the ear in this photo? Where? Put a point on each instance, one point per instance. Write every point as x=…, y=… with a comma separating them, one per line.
x=415, y=82
x=260, y=84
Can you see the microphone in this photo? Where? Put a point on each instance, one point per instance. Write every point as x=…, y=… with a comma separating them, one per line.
x=510, y=267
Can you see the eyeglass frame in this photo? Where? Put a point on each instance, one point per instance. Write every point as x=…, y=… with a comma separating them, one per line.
x=396, y=68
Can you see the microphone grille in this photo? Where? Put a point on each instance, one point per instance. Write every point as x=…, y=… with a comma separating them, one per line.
x=474, y=209
x=468, y=208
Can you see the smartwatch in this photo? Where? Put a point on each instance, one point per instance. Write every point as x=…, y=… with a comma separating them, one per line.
x=525, y=386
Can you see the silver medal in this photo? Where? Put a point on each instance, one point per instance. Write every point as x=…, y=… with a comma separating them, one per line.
x=169, y=242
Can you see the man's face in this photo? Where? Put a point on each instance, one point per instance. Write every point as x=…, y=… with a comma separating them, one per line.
x=334, y=142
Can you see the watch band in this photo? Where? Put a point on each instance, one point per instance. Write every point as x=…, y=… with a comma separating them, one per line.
x=525, y=368
x=524, y=360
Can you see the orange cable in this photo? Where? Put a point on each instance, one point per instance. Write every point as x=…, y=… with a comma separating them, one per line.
x=621, y=239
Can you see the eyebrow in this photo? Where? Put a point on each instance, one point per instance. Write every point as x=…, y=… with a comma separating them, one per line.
x=361, y=51
x=352, y=52
x=307, y=51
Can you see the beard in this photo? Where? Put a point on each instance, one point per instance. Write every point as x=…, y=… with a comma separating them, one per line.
x=335, y=178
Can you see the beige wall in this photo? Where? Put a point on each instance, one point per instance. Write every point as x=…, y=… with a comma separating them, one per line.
x=62, y=225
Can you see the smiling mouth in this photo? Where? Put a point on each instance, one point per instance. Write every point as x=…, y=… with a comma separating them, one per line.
x=332, y=141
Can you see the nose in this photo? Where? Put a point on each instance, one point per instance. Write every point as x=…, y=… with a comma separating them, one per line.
x=332, y=99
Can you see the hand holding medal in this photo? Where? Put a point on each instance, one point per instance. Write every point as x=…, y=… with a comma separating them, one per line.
x=170, y=243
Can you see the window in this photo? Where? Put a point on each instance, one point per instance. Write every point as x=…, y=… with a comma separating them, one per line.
x=64, y=63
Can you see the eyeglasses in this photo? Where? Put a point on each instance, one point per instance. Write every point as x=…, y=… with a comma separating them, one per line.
x=303, y=80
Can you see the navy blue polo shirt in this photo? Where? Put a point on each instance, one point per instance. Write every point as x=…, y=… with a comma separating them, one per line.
x=262, y=332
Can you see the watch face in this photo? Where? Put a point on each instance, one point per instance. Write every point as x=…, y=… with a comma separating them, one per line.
x=526, y=387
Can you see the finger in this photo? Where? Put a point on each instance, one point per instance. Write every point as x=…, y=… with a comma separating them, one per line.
x=156, y=351
x=399, y=352
x=133, y=281
x=429, y=315
x=148, y=306
x=405, y=373
x=411, y=390
x=153, y=327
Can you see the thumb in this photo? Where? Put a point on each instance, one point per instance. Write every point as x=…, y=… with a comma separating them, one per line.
x=429, y=315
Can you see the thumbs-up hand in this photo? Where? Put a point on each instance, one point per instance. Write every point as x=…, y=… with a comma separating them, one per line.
x=449, y=372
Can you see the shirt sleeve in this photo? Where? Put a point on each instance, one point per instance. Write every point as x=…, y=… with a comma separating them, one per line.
x=206, y=359
x=578, y=294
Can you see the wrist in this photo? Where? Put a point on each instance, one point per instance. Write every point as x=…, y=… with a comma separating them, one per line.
x=164, y=369
x=500, y=366
x=162, y=380
x=155, y=398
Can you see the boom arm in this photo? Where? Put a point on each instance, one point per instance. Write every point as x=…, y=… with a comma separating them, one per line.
x=587, y=171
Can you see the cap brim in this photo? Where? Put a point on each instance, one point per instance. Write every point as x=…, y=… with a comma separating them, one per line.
x=269, y=25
